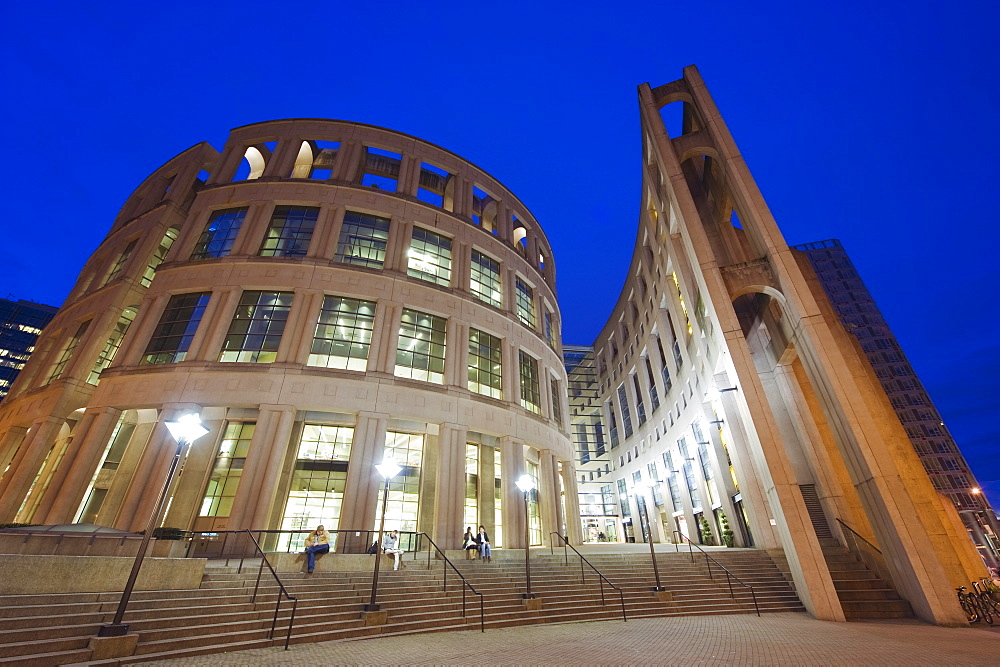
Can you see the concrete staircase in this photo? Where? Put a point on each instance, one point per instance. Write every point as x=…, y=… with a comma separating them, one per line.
x=218, y=617
x=862, y=594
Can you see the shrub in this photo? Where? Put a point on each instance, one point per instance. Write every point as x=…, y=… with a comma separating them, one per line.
x=706, y=532
x=727, y=532
x=166, y=533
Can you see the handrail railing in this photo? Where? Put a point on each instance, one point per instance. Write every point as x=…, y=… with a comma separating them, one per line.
x=709, y=560
x=447, y=563
x=867, y=553
x=282, y=591
x=603, y=579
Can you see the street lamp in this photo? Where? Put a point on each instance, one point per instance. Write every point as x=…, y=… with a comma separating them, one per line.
x=526, y=484
x=185, y=430
x=388, y=469
x=642, y=487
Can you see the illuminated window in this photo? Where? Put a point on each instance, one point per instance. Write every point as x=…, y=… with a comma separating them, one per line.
x=404, y=489
x=228, y=470
x=556, y=400
x=471, y=515
x=485, y=363
x=420, y=348
x=255, y=332
x=343, y=334
x=158, y=257
x=534, y=516
x=429, y=257
x=362, y=240
x=550, y=333
x=111, y=346
x=220, y=233
x=178, y=324
x=67, y=352
x=290, y=231
x=485, y=282
x=525, y=301
x=497, y=537
x=530, y=396
x=120, y=263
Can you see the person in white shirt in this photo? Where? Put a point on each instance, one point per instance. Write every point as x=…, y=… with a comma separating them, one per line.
x=390, y=545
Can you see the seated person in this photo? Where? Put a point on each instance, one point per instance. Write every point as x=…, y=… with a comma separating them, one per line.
x=390, y=547
x=317, y=542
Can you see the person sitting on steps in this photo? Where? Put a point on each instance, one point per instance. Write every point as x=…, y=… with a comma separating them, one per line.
x=470, y=544
x=483, y=539
x=390, y=547
x=317, y=542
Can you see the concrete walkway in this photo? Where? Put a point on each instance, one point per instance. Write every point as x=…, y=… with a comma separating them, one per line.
x=774, y=639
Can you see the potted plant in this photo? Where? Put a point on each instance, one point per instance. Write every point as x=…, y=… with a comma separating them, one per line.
x=706, y=533
x=727, y=532
x=169, y=542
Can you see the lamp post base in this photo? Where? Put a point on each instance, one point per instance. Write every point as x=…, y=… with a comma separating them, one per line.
x=372, y=607
x=657, y=588
x=113, y=630
x=528, y=596
x=531, y=603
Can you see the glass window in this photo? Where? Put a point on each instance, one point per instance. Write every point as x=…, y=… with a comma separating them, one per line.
x=220, y=233
x=556, y=401
x=255, y=332
x=111, y=346
x=471, y=517
x=362, y=241
x=429, y=257
x=497, y=536
x=626, y=413
x=534, y=515
x=228, y=470
x=343, y=334
x=485, y=363
x=530, y=397
x=420, y=348
x=550, y=334
x=485, y=282
x=120, y=263
x=178, y=324
x=404, y=489
x=158, y=257
x=67, y=353
x=290, y=231
x=525, y=297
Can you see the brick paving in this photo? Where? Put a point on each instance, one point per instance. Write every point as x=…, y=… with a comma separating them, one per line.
x=774, y=639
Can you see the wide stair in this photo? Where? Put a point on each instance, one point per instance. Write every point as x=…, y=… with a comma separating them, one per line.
x=56, y=629
x=861, y=592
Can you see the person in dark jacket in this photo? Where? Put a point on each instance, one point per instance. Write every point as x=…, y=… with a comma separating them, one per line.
x=470, y=544
x=483, y=539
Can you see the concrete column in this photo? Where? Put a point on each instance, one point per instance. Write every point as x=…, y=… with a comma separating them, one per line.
x=409, y=176
x=9, y=444
x=25, y=465
x=461, y=265
x=346, y=164
x=228, y=164
x=511, y=468
x=510, y=378
x=192, y=479
x=69, y=484
x=449, y=506
x=548, y=495
x=258, y=484
x=283, y=159
x=456, y=361
x=400, y=232
x=574, y=530
x=139, y=333
x=214, y=325
x=323, y=244
x=300, y=327
x=363, y=481
x=385, y=331
x=252, y=231
x=486, y=500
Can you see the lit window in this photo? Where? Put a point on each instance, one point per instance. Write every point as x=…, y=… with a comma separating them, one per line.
x=220, y=233
x=116, y=270
x=172, y=338
x=420, y=348
x=429, y=257
x=530, y=395
x=111, y=346
x=485, y=364
x=343, y=334
x=525, y=303
x=67, y=353
x=362, y=240
x=471, y=485
x=290, y=231
x=485, y=282
x=158, y=257
x=228, y=470
x=255, y=332
x=406, y=450
x=556, y=401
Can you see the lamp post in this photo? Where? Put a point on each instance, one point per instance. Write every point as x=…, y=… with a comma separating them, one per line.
x=185, y=430
x=642, y=487
x=388, y=469
x=526, y=484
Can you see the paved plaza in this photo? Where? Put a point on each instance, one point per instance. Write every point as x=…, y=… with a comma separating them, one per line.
x=774, y=639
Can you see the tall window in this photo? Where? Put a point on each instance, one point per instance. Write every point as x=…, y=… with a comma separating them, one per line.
x=485, y=283
x=67, y=352
x=640, y=407
x=626, y=413
x=120, y=263
x=177, y=326
x=343, y=334
x=317, y=491
x=404, y=489
x=111, y=346
x=550, y=334
x=290, y=231
x=228, y=470
x=421, y=346
x=654, y=480
x=362, y=241
x=530, y=394
x=485, y=364
x=556, y=400
x=534, y=515
x=472, y=486
x=654, y=398
x=255, y=332
x=525, y=302
x=158, y=257
x=105, y=473
x=497, y=536
x=220, y=233
x=688, y=469
x=667, y=382
x=429, y=257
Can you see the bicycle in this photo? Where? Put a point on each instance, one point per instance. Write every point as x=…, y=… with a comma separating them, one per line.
x=987, y=603
x=970, y=605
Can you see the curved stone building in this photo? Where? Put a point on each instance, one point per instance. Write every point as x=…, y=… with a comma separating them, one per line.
x=321, y=292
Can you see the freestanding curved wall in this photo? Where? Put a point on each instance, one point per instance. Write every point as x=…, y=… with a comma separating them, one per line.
x=323, y=293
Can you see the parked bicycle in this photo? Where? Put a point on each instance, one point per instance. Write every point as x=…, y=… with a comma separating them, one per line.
x=975, y=604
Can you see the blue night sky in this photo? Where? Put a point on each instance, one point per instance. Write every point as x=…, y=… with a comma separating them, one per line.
x=874, y=123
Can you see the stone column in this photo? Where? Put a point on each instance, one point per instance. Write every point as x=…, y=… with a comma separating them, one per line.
x=509, y=378
x=511, y=468
x=192, y=479
x=9, y=444
x=121, y=478
x=258, y=485
x=228, y=164
x=449, y=503
x=327, y=234
x=400, y=231
x=363, y=481
x=548, y=495
x=138, y=335
x=207, y=340
x=382, y=352
x=574, y=531
x=283, y=159
x=25, y=465
x=300, y=327
x=456, y=361
x=461, y=265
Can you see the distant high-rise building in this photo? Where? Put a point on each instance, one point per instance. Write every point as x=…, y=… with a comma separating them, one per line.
x=938, y=451
x=20, y=323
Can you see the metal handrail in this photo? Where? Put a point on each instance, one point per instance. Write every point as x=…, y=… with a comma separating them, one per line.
x=482, y=615
x=583, y=578
x=281, y=587
x=872, y=556
x=729, y=575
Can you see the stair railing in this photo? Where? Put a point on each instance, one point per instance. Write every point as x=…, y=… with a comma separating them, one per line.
x=601, y=578
x=730, y=577
x=446, y=564
x=281, y=589
x=866, y=552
